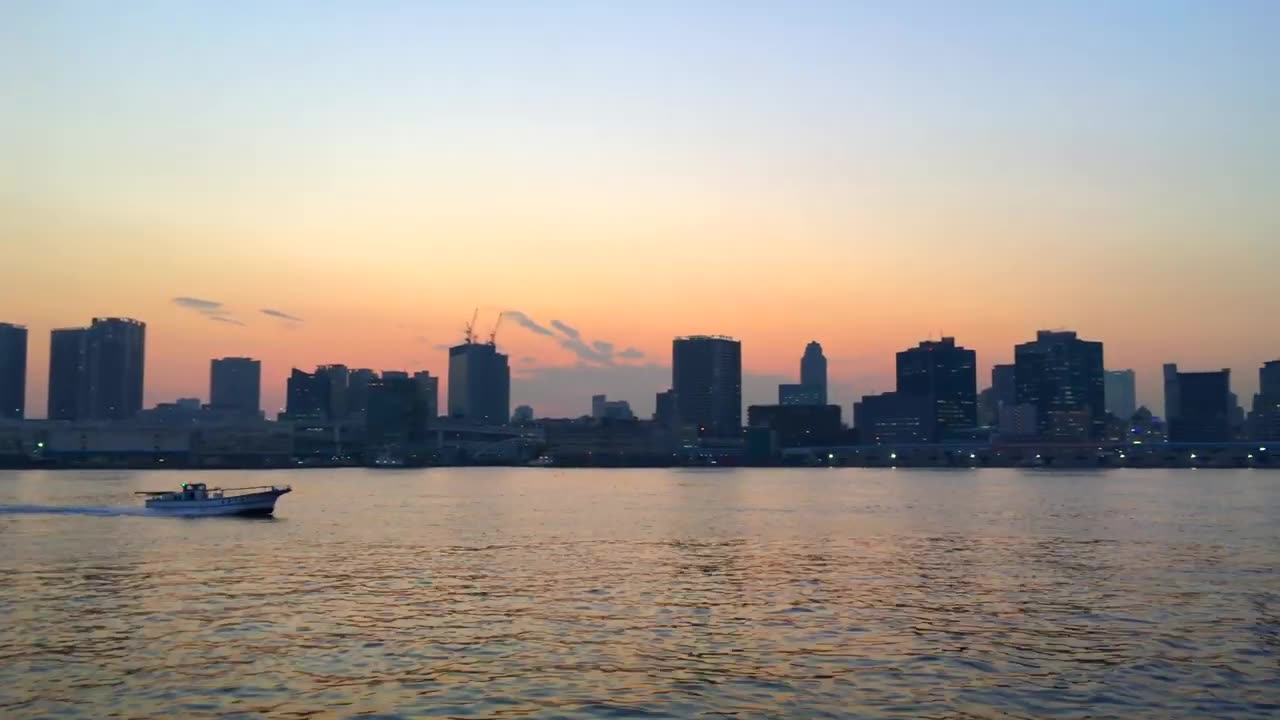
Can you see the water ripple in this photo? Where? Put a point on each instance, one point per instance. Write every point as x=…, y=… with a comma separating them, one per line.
x=434, y=613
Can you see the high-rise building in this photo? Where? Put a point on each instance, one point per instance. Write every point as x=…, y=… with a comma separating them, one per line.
x=946, y=375
x=235, y=385
x=338, y=377
x=1269, y=378
x=397, y=413
x=68, y=379
x=813, y=370
x=307, y=396
x=706, y=374
x=358, y=390
x=801, y=394
x=664, y=409
x=1062, y=376
x=1265, y=418
x=115, y=365
x=1198, y=405
x=429, y=389
x=1121, y=394
x=479, y=384
x=1004, y=385
x=13, y=371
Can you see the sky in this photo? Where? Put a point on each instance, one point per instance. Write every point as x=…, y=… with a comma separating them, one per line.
x=864, y=174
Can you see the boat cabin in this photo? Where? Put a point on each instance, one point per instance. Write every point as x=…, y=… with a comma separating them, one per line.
x=196, y=491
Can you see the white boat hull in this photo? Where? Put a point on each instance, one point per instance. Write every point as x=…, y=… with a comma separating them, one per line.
x=263, y=503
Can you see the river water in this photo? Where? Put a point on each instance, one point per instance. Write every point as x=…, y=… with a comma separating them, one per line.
x=647, y=593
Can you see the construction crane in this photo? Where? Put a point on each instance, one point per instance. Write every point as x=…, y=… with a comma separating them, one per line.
x=493, y=334
x=470, y=335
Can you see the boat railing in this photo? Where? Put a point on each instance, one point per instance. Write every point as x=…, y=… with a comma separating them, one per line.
x=235, y=491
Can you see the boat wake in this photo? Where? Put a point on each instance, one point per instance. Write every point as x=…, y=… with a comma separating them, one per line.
x=73, y=510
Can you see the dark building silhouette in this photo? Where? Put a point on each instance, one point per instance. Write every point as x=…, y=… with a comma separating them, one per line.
x=1198, y=405
x=68, y=379
x=1062, y=377
x=1265, y=418
x=13, y=371
x=894, y=418
x=801, y=394
x=798, y=425
x=235, y=385
x=1004, y=385
x=1121, y=393
x=429, y=390
x=307, y=396
x=706, y=374
x=358, y=390
x=397, y=414
x=664, y=409
x=946, y=375
x=523, y=415
x=97, y=373
x=338, y=377
x=813, y=370
x=479, y=384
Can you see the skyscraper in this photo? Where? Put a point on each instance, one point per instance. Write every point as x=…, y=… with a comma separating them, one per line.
x=664, y=409
x=338, y=376
x=1062, y=376
x=428, y=386
x=397, y=413
x=13, y=371
x=813, y=370
x=1004, y=384
x=1265, y=418
x=706, y=373
x=307, y=396
x=1121, y=394
x=68, y=379
x=1198, y=405
x=115, y=363
x=479, y=384
x=358, y=390
x=235, y=385
x=946, y=375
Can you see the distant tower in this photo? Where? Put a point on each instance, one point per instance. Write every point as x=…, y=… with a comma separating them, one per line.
x=114, y=363
x=235, y=385
x=479, y=384
x=813, y=370
x=706, y=375
x=1062, y=376
x=13, y=371
x=945, y=375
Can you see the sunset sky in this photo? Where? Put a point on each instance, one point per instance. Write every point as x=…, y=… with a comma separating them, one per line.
x=862, y=174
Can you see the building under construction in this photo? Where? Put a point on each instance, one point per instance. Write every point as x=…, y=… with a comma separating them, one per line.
x=479, y=379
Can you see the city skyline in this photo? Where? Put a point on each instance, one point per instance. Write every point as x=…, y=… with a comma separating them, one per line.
x=309, y=187
x=753, y=387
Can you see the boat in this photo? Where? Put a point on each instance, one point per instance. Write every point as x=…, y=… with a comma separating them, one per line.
x=198, y=499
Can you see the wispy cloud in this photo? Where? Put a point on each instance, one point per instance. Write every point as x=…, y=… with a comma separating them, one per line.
x=211, y=309
x=597, y=352
x=527, y=323
x=198, y=304
x=570, y=331
x=280, y=314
